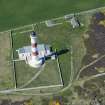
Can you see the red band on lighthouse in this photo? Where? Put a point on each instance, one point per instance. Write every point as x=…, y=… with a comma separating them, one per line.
x=34, y=45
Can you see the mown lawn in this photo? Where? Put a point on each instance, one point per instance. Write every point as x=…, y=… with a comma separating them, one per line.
x=47, y=77
x=15, y=13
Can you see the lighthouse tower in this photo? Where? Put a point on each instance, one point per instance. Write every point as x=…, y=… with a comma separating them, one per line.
x=35, y=61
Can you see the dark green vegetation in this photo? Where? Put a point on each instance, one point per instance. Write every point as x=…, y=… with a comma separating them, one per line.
x=15, y=13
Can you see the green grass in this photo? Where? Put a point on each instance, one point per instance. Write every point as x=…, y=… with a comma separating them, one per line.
x=48, y=76
x=15, y=13
x=59, y=37
x=20, y=40
x=24, y=73
x=63, y=37
x=22, y=29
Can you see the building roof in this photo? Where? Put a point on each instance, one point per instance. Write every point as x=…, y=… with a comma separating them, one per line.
x=27, y=49
x=74, y=22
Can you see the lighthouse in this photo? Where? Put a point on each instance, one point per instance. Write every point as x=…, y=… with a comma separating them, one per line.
x=35, y=61
x=34, y=55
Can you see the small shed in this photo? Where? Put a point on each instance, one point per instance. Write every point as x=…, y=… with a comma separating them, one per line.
x=74, y=22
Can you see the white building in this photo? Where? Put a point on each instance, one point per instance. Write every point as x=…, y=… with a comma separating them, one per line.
x=25, y=52
x=34, y=54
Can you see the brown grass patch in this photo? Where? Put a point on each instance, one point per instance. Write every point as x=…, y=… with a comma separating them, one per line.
x=5, y=64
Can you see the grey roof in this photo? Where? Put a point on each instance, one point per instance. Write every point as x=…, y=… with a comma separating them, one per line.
x=27, y=49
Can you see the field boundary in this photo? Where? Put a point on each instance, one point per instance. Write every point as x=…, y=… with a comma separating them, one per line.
x=60, y=73
x=62, y=17
x=72, y=72
x=33, y=88
x=12, y=57
x=59, y=83
x=33, y=78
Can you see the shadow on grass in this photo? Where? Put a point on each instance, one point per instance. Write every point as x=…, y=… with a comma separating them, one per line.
x=58, y=53
x=62, y=51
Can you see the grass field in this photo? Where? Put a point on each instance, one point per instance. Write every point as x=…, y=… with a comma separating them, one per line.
x=63, y=37
x=60, y=37
x=6, y=77
x=20, y=12
x=47, y=77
